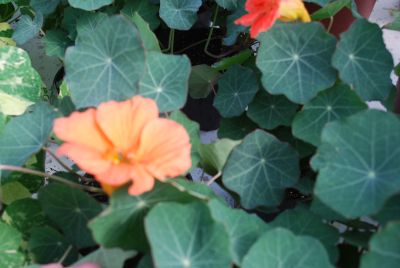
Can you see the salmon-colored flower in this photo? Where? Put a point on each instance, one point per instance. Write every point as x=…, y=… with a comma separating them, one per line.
x=123, y=142
x=262, y=14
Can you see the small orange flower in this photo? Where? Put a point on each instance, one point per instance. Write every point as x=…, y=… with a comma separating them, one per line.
x=262, y=14
x=122, y=142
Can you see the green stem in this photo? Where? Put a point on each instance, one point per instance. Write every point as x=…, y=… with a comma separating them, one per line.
x=53, y=177
x=172, y=40
x=211, y=32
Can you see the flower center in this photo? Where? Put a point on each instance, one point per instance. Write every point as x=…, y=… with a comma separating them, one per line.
x=117, y=157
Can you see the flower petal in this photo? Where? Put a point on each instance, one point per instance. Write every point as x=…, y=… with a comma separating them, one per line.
x=80, y=128
x=122, y=122
x=116, y=174
x=164, y=149
x=290, y=10
x=88, y=159
x=263, y=24
x=142, y=181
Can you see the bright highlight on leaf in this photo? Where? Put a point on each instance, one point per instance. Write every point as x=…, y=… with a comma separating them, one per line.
x=263, y=14
x=125, y=142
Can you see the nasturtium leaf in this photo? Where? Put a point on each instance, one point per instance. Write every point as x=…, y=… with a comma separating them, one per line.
x=357, y=238
x=285, y=134
x=20, y=84
x=145, y=9
x=56, y=42
x=71, y=209
x=105, y=64
x=235, y=128
x=281, y=248
x=395, y=24
x=359, y=170
x=243, y=229
x=3, y=120
x=6, y=12
x=319, y=2
x=107, y=258
x=324, y=211
x=384, y=248
x=198, y=190
x=25, y=214
x=330, y=105
x=295, y=60
x=228, y=4
x=89, y=5
x=146, y=262
x=270, y=111
x=72, y=16
x=44, y=6
x=305, y=185
x=236, y=89
x=179, y=14
x=214, y=155
x=166, y=80
x=5, y=1
x=121, y=224
x=233, y=29
x=202, y=80
x=46, y=245
x=150, y=41
x=260, y=168
x=302, y=221
x=193, y=129
x=6, y=34
x=185, y=235
x=363, y=61
x=87, y=24
x=13, y=191
x=330, y=9
x=11, y=240
x=238, y=58
x=26, y=28
x=25, y=135
x=390, y=211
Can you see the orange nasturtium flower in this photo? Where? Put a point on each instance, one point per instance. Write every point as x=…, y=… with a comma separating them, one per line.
x=262, y=14
x=123, y=142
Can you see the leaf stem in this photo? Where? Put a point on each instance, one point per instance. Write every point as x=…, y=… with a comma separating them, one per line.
x=53, y=177
x=330, y=24
x=63, y=164
x=213, y=179
x=211, y=32
x=65, y=255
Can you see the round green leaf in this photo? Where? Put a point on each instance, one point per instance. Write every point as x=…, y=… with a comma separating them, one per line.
x=232, y=29
x=192, y=240
x=87, y=24
x=363, y=61
x=243, y=229
x=71, y=209
x=390, y=211
x=179, y=14
x=202, y=80
x=281, y=248
x=121, y=224
x=228, y=4
x=384, y=248
x=146, y=10
x=166, y=80
x=10, y=239
x=25, y=135
x=270, y=111
x=193, y=129
x=56, y=42
x=302, y=221
x=20, y=84
x=26, y=28
x=44, y=6
x=214, y=155
x=358, y=168
x=330, y=105
x=105, y=64
x=12, y=191
x=25, y=214
x=295, y=60
x=107, y=258
x=235, y=128
x=89, y=4
x=260, y=168
x=150, y=41
x=236, y=89
x=46, y=245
